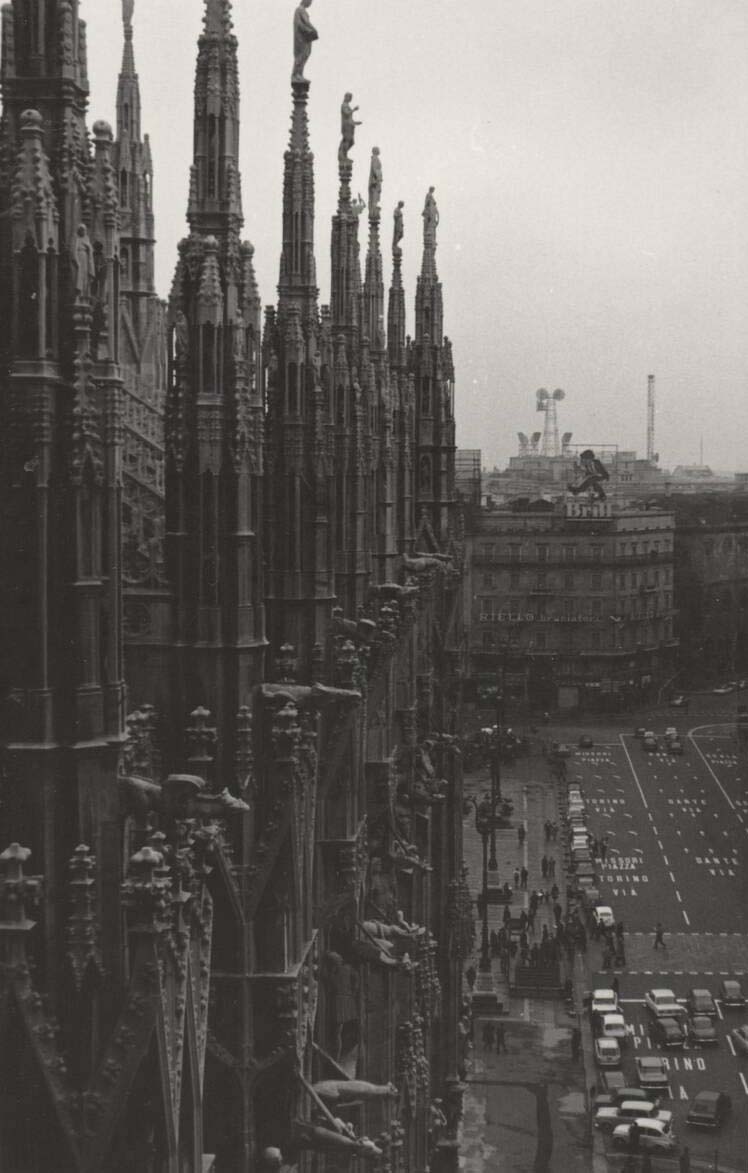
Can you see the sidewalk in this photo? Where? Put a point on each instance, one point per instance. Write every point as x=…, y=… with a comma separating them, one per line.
x=526, y=1109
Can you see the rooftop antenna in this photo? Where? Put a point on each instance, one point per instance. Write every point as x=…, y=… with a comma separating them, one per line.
x=545, y=401
x=651, y=454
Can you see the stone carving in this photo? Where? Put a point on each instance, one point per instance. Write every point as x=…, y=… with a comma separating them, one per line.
x=358, y=205
x=83, y=259
x=128, y=7
x=304, y=34
x=348, y=126
x=354, y=1089
x=375, y=182
x=397, y=228
x=430, y=219
x=181, y=338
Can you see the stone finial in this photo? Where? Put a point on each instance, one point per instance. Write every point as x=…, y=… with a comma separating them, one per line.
x=286, y=664
x=147, y=891
x=286, y=732
x=201, y=737
x=244, y=757
x=15, y=890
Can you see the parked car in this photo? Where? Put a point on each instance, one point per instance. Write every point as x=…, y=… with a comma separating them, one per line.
x=612, y=1081
x=667, y=1032
x=651, y=1071
x=739, y=1038
x=654, y=1136
x=643, y=1094
x=678, y=702
x=611, y=1026
x=604, y=1002
x=559, y=751
x=675, y=746
x=649, y=743
x=606, y=1118
x=585, y=741
x=662, y=1003
x=607, y=1053
x=723, y=689
x=731, y=993
x=701, y=1031
x=671, y=733
x=700, y=1002
x=709, y=1109
x=639, y=731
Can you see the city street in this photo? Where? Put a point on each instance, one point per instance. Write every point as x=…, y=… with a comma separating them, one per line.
x=677, y=831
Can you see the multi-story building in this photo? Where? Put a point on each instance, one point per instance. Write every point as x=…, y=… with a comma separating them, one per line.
x=572, y=603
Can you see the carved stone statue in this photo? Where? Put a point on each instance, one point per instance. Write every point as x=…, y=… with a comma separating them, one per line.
x=358, y=205
x=128, y=7
x=375, y=182
x=83, y=260
x=397, y=230
x=181, y=337
x=304, y=33
x=348, y=126
x=430, y=218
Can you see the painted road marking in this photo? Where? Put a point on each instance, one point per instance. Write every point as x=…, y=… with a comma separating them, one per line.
x=742, y=1080
x=692, y=739
x=722, y=1017
x=685, y=916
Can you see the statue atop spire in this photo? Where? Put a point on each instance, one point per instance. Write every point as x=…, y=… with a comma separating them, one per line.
x=128, y=7
x=348, y=126
x=397, y=229
x=304, y=33
x=375, y=184
x=430, y=220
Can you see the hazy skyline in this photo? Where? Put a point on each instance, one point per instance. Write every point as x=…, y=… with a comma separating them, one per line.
x=590, y=166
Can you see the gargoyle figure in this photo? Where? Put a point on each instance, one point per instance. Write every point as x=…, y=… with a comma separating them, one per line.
x=354, y=1089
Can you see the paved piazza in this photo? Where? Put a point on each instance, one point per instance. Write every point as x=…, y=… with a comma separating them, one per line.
x=677, y=831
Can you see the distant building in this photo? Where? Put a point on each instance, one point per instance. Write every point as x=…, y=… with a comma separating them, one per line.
x=468, y=475
x=571, y=603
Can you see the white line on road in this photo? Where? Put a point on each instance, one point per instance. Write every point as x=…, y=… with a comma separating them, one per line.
x=666, y=861
x=672, y=877
x=633, y=771
x=685, y=916
x=742, y=1080
x=721, y=1015
x=691, y=732
x=730, y=1044
x=678, y=896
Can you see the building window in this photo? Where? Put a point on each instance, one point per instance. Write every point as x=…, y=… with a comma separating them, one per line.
x=487, y=550
x=488, y=580
x=540, y=641
x=540, y=609
x=597, y=553
x=570, y=553
x=515, y=553
x=597, y=607
x=514, y=580
x=542, y=553
x=596, y=581
x=569, y=582
x=595, y=641
x=622, y=581
x=489, y=641
x=569, y=608
x=541, y=582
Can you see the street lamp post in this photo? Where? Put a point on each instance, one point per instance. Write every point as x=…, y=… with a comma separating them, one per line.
x=483, y=823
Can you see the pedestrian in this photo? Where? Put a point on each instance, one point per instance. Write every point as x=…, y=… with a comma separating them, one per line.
x=685, y=1160
x=554, y=831
x=470, y=976
x=554, y=892
x=532, y=913
x=659, y=937
x=522, y=921
x=614, y=985
x=603, y=847
x=523, y=877
x=488, y=1035
x=576, y=1042
x=507, y=915
x=544, y=866
x=582, y=940
x=547, y=826
x=552, y=867
x=521, y=833
x=634, y=1135
x=593, y=847
x=557, y=910
x=516, y=878
x=500, y=1038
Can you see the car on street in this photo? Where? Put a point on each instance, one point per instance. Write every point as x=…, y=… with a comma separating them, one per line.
x=662, y=1003
x=612, y=1081
x=604, y=1002
x=607, y=1053
x=701, y=1031
x=709, y=1109
x=667, y=1032
x=739, y=1038
x=585, y=741
x=675, y=746
x=611, y=1026
x=700, y=1002
x=560, y=751
x=731, y=993
x=649, y=743
x=643, y=1094
x=654, y=1136
x=602, y=914
x=640, y=732
x=652, y=1071
x=671, y=733
x=723, y=689
x=678, y=702
x=606, y=1118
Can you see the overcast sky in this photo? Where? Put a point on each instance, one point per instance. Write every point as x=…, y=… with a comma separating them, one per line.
x=591, y=169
